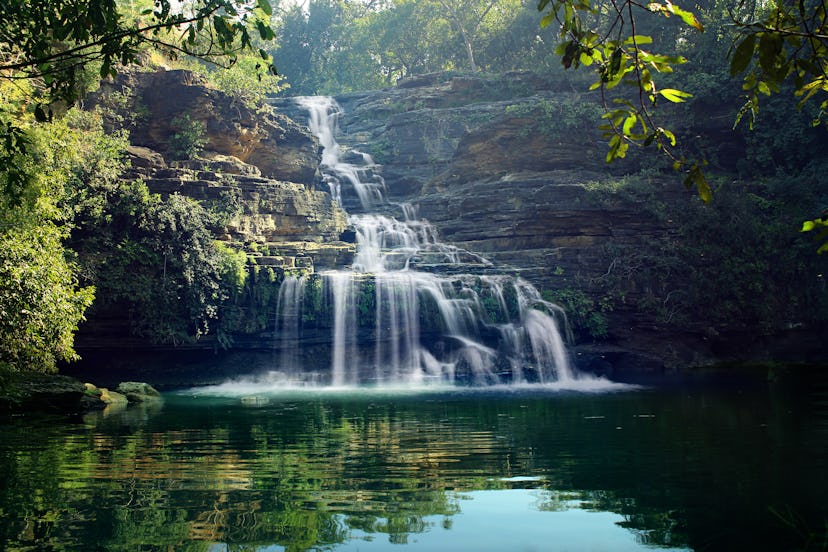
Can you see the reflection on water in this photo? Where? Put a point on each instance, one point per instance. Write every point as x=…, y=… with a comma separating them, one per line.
x=529, y=470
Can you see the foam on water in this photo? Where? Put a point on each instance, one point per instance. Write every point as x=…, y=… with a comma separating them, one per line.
x=278, y=384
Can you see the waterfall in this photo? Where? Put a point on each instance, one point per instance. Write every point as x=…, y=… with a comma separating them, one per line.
x=288, y=325
x=413, y=310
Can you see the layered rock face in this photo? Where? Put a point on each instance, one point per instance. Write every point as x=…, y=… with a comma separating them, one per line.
x=257, y=166
x=262, y=160
x=482, y=170
x=150, y=104
x=301, y=226
x=490, y=177
x=505, y=167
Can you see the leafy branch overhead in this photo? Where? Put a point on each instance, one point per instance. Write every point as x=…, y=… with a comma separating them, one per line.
x=53, y=41
x=774, y=43
x=605, y=36
x=788, y=42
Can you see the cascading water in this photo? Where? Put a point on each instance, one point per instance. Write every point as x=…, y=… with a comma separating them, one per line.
x=412, y=310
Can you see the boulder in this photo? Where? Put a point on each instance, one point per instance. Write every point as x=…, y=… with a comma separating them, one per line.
x=145, y=159
x=113, y=398
x=138, y=392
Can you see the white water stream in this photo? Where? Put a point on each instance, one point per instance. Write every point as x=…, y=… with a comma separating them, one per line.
x=396, y=326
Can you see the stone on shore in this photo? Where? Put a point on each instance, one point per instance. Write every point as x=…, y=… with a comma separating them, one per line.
x=138, y=392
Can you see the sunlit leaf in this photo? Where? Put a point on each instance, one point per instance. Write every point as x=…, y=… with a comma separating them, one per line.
x=686, y=16
x=669, y=135
x=673, y=95
x=629, y=123
x=639, y=40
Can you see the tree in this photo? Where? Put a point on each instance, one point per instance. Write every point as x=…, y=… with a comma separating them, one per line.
x=467, y=17
x=50, y=45
x=42, y=303
x=772, y=45
x=53, y=41
x=775, y=46
x=41, y=298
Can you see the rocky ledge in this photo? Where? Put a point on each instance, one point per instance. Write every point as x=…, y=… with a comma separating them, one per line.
x=27, y=393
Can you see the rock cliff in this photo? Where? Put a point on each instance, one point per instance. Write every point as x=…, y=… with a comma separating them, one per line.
x=258, y=166
x=513, y=168
x=264, y=161
x=508, y=167
x=148, y=104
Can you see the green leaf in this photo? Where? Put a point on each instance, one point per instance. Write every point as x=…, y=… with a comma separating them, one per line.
x=265, y=7
x=629, y=123
x=615, y=63
x=742, y=55
x=669, y=135
x=808, y=225
x=770, y=45
x=639, y=40
x=704, y=188
x=696, y=177
x=686, y=16
x=675, y=96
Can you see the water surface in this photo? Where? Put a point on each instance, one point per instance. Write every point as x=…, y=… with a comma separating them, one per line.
x=636, y=469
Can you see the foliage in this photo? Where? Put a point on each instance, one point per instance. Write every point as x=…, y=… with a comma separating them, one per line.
x=157, y=259
x=232, y=267
x=583, y=312
x=41, y=300
x=338, y=46
x=552, y=118
x=52, y=42
x=42, y=303
x=314, y=308
x=773, y=43
x=785, y=42
x=468, y=18
x=736, y=263
x=189, y=137
x=366, y=302
x=821, y=226
x=606, y=36
x=244, y=82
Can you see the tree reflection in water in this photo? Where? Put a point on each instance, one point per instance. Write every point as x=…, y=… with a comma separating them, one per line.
x=316, y=472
